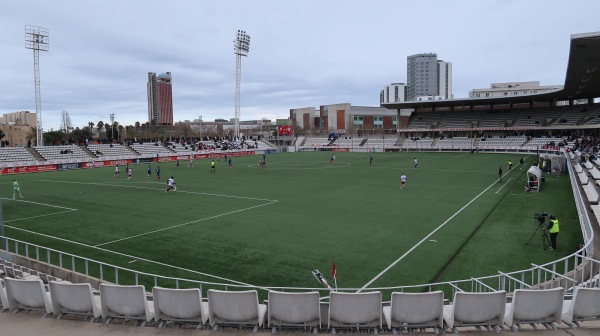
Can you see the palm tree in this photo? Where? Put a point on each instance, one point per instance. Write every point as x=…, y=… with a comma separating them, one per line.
x=32, y=135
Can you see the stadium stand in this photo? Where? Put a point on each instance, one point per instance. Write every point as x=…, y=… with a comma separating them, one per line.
x=150, y=149
x=425, y=120
x=380, y=143
x=62, y=153
x=537, y=117
x=455, y=142
x=107, y=151
x=15, y=154
x=503, y=142
x=460, y=119
x=418, y=143
x=535, y=142
x=349, y=143
x=498, y=118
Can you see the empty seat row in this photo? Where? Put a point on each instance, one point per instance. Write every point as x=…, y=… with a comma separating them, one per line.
x=591, y=193
x=406, y=311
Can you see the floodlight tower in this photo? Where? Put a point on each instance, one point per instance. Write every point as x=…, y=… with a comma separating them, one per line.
x=37, y=38
x=241, y=47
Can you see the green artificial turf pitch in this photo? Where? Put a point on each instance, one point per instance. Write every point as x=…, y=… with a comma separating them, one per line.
x=273, y=226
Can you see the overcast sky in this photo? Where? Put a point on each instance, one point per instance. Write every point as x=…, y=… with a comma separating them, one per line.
x=302, y=53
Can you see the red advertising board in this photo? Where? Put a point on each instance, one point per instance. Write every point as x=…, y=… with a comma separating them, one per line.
x=285, y=130
x=27, y=169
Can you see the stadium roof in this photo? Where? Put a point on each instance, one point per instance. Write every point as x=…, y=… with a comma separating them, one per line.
x=582, y=80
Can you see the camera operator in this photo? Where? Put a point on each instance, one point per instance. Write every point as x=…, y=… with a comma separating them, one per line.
x=553, y=229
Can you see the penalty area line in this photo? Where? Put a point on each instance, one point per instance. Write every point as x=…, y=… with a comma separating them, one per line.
x=38, y=216
x=184, y=224
x=424, y=239
x=44, y=204
x=134, y=257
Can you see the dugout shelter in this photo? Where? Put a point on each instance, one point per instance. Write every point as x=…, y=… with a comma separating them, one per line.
x=534, y=178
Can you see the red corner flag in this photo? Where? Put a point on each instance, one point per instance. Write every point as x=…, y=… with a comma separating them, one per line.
x=333, y=271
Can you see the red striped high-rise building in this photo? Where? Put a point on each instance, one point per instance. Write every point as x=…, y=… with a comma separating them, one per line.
x=160, y=98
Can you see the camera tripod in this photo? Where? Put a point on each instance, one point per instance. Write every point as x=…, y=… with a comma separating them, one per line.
x=544, y=235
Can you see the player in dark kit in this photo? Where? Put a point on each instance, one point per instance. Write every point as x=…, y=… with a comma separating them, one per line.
x=157, y=173
x=149, y=171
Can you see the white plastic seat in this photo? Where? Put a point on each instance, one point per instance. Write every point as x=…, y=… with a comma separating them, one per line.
x=535, y=306
x=239, y=308
x=27, y=295
x=476, y=309
x=179, y=306
x=126, y=302
x=415, y=310
x=79, y=299
x=355, y=310
x=584, y=306
x=294, y=310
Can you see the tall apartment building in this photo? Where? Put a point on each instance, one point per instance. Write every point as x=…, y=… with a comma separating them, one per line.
x=393, y=93
x=16, y=126
x=160, y=98
x=428, y=76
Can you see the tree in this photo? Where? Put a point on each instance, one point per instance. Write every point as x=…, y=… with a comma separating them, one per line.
x=54, y=137
x=137, y=124
x=100, y=125
x=32, y=135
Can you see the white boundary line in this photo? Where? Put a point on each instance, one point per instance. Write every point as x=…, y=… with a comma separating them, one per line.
x=133, y=257
x=497, y=191
x=424, y=239
x=51, y=214
x=44, y=204
x=184, y=224
x=179, y=191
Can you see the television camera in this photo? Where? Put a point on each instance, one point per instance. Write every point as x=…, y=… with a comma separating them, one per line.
x=541, y=217
x=540, y=221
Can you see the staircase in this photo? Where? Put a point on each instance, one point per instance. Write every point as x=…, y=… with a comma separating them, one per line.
x=35, y=154
x=87, y=151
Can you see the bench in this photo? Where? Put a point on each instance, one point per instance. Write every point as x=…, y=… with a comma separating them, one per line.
x=595, y=173
x=591, y=193
x=588, y=165
x=583, y=178
x=578, y=168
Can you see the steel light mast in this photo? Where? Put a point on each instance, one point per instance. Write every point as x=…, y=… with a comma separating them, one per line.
x=37, y=39
x=241, y=47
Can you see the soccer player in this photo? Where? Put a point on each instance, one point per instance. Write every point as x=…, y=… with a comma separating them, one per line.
x=402, y=181
x=116, y=171
x=229, y=162
x=129, y=174
x=521, y=162
x=148, y=171
x=127, y=168
x=416, y=163
x=212, y=166
x=191, y=163
x=371, y=161
x=171, y=185
x=177, y=165
x=509, y=164
x=157, y=173
x=500, y=174
x=16, y=189
x=331, y=159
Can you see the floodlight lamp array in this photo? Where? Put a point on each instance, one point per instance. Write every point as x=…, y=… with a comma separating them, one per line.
x=242, y=43
x=37, y=38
